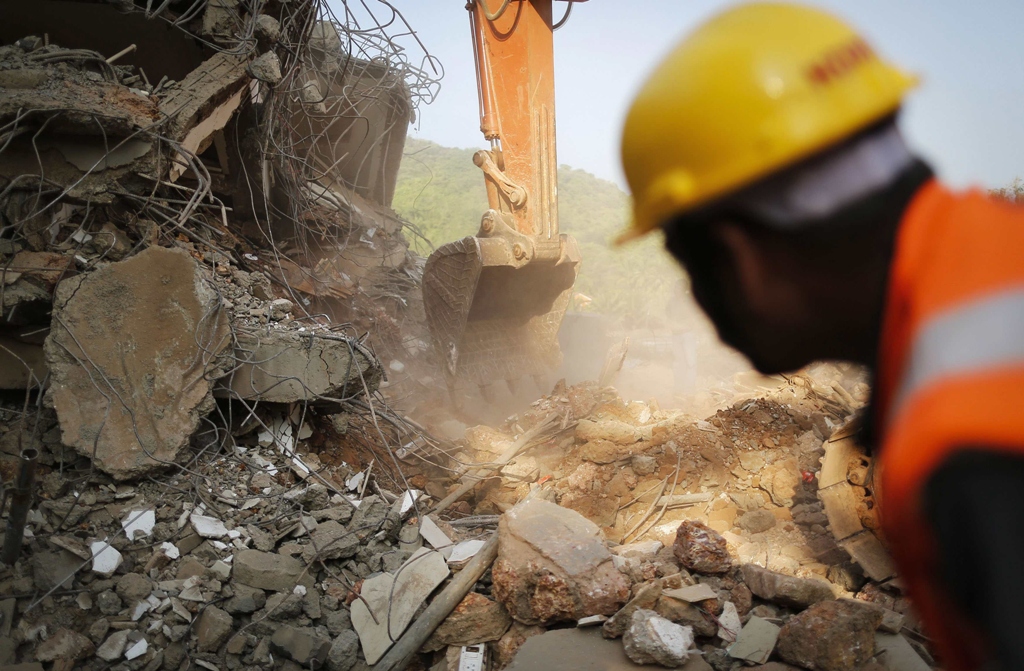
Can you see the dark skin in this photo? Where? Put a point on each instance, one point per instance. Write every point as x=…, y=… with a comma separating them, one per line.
x=777, y=297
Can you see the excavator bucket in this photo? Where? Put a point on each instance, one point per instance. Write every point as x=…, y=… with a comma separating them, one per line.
x=494, y=317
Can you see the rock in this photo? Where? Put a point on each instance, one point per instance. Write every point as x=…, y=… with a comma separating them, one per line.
x=266, y=68
x=781, y=481
x=269, y=571
x=114, y=646
x=331, y=540
x=53, y=569
x=337, y=622
x=685, y=613
x=603, y=452
x=756, y=521
x=611, y=430
x=108, y=602
x=752, y=461
x=653, y=639
x=133, y=587
x=208, y=527
x=755, y=642
x=105, y=559
x=344, y=652
x=700, y=548
x=213, y=628
x=553, y=565
x=280, y=308
x=66, y=645
x=783, y=589
x=245, y=600
x=645, y=550
x=267, y=29
x=831, y=636
x=645, y=599
x=368, y=518
x=643, y=464
x=505, y=648
x=301, y=645
x=394, y=600
x=122, y=323
x=284, y=606
x=729, y=624
x=476, y=619
x=284, y=366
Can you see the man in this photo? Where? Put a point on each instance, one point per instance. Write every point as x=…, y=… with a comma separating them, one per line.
x=766, y=148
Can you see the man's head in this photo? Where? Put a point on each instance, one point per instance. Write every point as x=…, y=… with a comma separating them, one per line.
x=792, y=269
x=765, y=147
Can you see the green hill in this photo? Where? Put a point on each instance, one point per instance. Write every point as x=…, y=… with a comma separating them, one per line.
x=442, y=193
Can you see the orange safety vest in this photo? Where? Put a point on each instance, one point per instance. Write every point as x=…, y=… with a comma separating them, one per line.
x=950, y=375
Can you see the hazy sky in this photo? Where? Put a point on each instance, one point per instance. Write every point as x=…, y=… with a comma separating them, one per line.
x=966, y=117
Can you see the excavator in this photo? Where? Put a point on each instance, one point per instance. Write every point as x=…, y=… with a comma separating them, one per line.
x=495, y=301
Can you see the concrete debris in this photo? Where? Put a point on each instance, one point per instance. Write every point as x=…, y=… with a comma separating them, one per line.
x=700, y=548
x=475, y=620
x=831, y=636
x=646, y=597
x=755, y=642
x=280, y=366
x=138, y=523
x=729, y=623
x=553, y=565
x=692, y=593
x=651, y=639
x=388, y=602
x=105, y=359
x=784, y=589
x=200, y=277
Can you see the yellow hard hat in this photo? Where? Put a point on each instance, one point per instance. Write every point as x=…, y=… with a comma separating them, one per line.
x=754, y=89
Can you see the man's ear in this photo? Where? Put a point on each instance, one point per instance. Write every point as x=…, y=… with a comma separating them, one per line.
x=749, y=264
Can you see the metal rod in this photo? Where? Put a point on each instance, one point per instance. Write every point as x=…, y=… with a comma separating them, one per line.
x=21, y=500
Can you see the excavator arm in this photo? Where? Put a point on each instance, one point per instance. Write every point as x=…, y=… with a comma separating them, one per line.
x=495, y=301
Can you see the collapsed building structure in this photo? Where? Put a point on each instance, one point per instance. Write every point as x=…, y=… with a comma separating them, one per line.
x=203, y=291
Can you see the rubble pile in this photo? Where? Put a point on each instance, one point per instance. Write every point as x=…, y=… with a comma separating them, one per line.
x=697, y=542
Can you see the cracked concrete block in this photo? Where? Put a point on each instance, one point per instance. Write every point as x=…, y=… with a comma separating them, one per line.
x=289, y=366
x=131, y=352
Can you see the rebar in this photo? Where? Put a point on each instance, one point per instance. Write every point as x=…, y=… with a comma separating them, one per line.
x=21, y=501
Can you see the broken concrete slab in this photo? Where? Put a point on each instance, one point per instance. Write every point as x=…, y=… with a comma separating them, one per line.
x=131, y=351
x=553, y=565
x=270, y=571
x=202, y=104
x=651, y=639
x=755, y=641
x=394, y=599
x=278, y=366
x=785, y=589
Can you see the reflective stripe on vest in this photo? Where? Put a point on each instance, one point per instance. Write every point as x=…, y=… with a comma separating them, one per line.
x=983, y=335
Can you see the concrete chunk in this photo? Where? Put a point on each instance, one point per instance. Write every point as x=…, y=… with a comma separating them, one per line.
x=266, y=570
x=394, y=599
x=289, y=367
x=130, y=352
